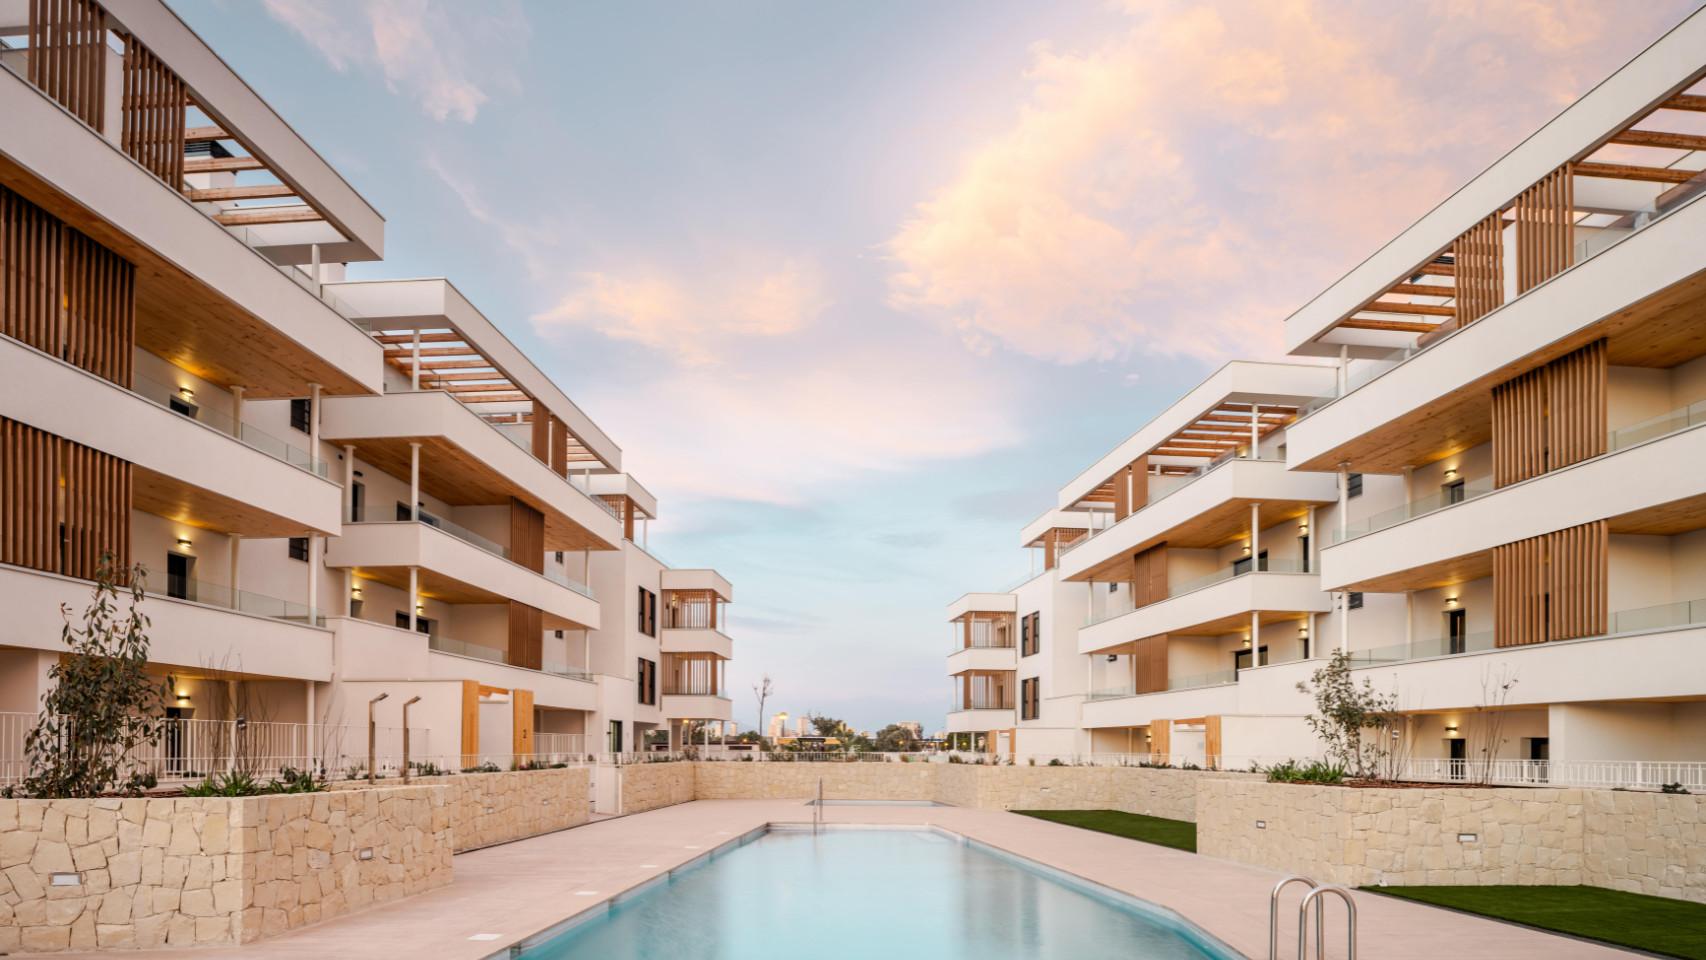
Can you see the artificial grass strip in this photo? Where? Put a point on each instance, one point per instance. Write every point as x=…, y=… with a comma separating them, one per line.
x=1675, y=928
x=1178, y=834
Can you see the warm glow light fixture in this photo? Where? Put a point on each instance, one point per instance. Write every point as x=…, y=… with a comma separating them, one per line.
x=183, y=541
x=186, y=393
x=1451, y=601
x=1450, y=472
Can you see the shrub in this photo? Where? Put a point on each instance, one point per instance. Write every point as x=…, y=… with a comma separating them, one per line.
x=1057, y=762
x=1316, y=771
x=1673, y=788
x=1352, y=720
x=487, y=767
x=425, y=768
x=235, y=784
x=292, y=780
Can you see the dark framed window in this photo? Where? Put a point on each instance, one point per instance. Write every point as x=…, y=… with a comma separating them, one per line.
x=1457, y=630
x=178, y=576
x=1030, y=698
x=357, y=501
x=1353, y=600
x=422, y=624
x=1031, y=634
x=1353, y=485
x=1242, y=565
x=299, y=549
x=1303, y=545
x=301, y=414
x=615, y=738
x=648, y=612
x=1453, y=491
x=646, y=682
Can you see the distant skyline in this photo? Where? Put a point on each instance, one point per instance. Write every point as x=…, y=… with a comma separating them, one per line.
x=894, y=272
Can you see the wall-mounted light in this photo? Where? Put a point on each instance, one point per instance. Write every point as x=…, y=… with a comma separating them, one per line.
x=1303, y=629
x=1451, y=601
x=420, y=608
x=184, y=542
x=1246, y=643
x=186, y=393
x=355, y=593
x=1451, y=728
x=1303, y=527
x=1450, y=473
x=183, y=696
x=1246, y=548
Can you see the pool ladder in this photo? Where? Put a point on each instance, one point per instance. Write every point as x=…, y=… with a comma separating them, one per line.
x=1317, y=894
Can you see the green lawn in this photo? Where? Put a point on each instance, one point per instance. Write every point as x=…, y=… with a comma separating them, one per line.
x=1178, y=834
x=1655, y=924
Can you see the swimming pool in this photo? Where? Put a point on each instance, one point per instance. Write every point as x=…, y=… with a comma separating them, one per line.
x=889, y=894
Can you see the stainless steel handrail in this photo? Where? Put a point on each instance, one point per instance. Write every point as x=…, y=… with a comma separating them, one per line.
x=1320, y=926
x=1273, y=915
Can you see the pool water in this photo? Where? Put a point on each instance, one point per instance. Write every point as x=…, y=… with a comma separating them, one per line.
x=888, y=894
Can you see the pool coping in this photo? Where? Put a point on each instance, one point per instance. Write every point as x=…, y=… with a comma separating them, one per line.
x=1172, y=919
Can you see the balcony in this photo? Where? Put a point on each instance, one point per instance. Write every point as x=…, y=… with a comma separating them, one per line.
x=1206, y=510
x=983, y=657
x=456, y=570
x=1638, y=488
x=187, y=469
x=204, y=299
x=977, y=719
x=251, y=634
x=1217, y=604
x=1211, y=696
x=466, y=461
x=371, y=651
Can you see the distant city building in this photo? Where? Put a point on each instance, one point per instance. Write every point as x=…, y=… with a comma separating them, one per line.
x=913, y=727
x=802, y=727
x=778, y=725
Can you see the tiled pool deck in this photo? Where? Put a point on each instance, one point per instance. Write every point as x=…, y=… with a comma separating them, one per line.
x=518, y=889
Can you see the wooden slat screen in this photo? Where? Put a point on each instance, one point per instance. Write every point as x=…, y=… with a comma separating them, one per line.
x=1211, y=738
x=1149, y=576
x=68, y=55
x=1545, y=229
x=65, y=294
x=100, y=309
x=559, y=447
x=521, y=713
x=541, y=433
x=154, y=101
x=1479, y=258
x=526, y=636
x=526, y=536
x=1551, y=587
x=1161, y=737
x=1551, y=416
x=1149, y=664
x=62, y=505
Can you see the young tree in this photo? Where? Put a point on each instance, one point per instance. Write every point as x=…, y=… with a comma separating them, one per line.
x=1347, y=716
x=103, y=706
x=762, y=690
x=895, y=738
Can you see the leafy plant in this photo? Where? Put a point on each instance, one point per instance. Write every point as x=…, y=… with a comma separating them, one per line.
x=424, y=768
x=1317, y=771
x=292, y=780
x=1676, y=787
x=1351, y=720
x=487, y=767
x=1057, y=762
x=104, y=707
x=233, y=784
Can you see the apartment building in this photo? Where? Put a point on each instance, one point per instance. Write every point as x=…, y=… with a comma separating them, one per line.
x=1480, y=477
x=340, y=490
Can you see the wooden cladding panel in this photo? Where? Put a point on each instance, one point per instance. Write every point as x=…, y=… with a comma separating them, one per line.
x=541, y=433
x=1545, y=228
x=100, y=310
x=1211, y=739
x=63, y=293
x=63, y=506
x=526, y=535
x=521, y=710
x=1551, y=587
x=68, y=55
x=526, y=636
x=1161, y=737
x=1149, y=664
x=559, y=447
x=1131, y=488
x=154, y=99
x=1149, y=576
x=1479, y=261
x=1551, y=416
x=470, y=722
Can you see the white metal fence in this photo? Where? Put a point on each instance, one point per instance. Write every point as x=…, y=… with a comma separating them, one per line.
x=1603, y=774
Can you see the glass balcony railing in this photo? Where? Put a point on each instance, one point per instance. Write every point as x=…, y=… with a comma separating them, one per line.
x=242, y=601
x=1195, y=681
x=1664, y=616
x=1620, y=439
x=479, y=651
x=959, y=645
x=177, y=400
x=465, y=535
x=1119, y=603
x=558, y=576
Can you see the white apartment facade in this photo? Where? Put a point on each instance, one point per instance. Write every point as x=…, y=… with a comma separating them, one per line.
x=340, y=490
x=1489, y=494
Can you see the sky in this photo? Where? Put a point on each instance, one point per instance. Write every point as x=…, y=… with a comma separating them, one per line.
x=858, y=286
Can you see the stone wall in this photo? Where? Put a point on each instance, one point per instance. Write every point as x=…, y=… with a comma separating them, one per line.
x=136, y=873
x=1160, y=793
x=489, y=808
x=648, y=786
x=1640, y=842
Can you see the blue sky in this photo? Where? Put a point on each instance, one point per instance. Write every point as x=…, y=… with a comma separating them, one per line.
x=858, y=286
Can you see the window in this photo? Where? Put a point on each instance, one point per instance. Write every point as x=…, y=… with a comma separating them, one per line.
x=299, y=549
x=559, y=634
x=1353, y=600
x=1242, y=566
x=559, y=556
x=1453, y=491
x=357, y=501
x=615, y=740
x=301, y=414
x=1241, y=659
x=182, y=407
x=178, y=576
x=1031, y=633
x=648, y=613
x=422, y=624
x=1303, y=546
x=646, y=682
x=1456, y=630
x=1353, y=485
x=1030, y=699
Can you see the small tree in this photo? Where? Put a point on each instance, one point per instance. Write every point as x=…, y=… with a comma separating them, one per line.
x=1486, y=734
x=1347, y=714
x=895, y=738
x=762, y=690
x=103, y=706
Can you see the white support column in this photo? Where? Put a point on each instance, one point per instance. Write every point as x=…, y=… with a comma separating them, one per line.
x=1342, y=381
x=415, y=481
x=313, y=579
x=415, y=361
x=1310, y=564
x=1256, y=637
x=314, y=422
x=1313, y=651
x=314, y=266
x=237, y=412
x=1344, y=527
x=236, y=556
x=414, y=596
x=1409, y=620
x=349, y=483
x=1255, y=537
x=349, y=592
x=1255, y=428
